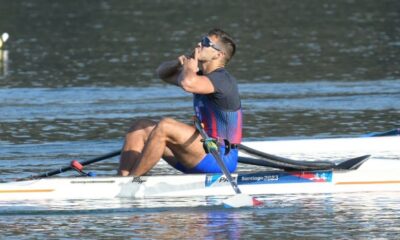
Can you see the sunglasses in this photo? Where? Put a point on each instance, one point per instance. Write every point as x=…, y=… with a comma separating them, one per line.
x=206, y=42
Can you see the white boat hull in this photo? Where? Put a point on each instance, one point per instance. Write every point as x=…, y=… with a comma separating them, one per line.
x=274, y=182
x=380, y=173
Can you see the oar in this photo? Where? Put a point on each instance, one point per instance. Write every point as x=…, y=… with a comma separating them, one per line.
x=71, y=166
x=240, y=199
x=277, y=159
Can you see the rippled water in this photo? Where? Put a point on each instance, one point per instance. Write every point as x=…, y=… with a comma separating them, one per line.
x=75, y=74
x=287, y=216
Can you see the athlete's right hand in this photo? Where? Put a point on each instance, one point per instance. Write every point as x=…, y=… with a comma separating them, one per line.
x=191, y=64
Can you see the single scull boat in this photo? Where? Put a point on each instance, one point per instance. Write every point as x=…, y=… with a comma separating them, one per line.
x=380, y=173
x=270, y=182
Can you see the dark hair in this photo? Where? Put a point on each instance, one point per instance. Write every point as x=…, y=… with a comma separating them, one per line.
x=226, y=41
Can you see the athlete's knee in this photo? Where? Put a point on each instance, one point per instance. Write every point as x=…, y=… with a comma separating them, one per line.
x=142, y=124
x=165, y=125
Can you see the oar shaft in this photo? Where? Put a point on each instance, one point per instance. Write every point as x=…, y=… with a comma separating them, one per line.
x=226, y=171
x=97, y=159
x=67, y=168
x=217, y=157
x=288, y=161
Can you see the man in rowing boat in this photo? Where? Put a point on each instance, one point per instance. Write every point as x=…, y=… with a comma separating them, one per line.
x=216, y=103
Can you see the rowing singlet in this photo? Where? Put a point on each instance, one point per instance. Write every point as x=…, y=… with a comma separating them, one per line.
x=221, y=112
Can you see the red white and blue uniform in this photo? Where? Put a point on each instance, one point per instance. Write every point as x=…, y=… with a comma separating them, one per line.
x=221, y=115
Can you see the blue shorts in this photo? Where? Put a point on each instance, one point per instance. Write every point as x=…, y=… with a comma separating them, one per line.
x=210, y=165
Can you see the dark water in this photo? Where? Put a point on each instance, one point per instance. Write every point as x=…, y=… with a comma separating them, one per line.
x=74, y=74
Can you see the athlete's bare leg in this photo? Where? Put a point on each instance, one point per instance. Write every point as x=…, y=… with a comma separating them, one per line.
x=173, y=136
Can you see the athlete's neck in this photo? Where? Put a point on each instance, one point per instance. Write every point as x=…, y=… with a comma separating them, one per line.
x=211, y=66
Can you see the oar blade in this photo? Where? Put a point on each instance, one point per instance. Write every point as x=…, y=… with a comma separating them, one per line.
x=242, y=200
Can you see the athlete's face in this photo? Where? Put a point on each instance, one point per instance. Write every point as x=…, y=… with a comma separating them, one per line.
x=209, y=49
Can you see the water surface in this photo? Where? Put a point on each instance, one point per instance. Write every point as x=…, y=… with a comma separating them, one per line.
x=75, y=74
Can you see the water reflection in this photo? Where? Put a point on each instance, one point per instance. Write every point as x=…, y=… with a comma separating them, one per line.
x=3, y=63
x=284, y=216
x=216, y=224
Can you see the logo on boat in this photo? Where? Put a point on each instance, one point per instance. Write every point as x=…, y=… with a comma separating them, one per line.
x=216, y=179
x=138, y=180
x=322, y=177
x=286, y=177
x=259, y=178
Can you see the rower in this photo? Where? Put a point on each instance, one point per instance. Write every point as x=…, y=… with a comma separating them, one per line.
x=216, y=104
